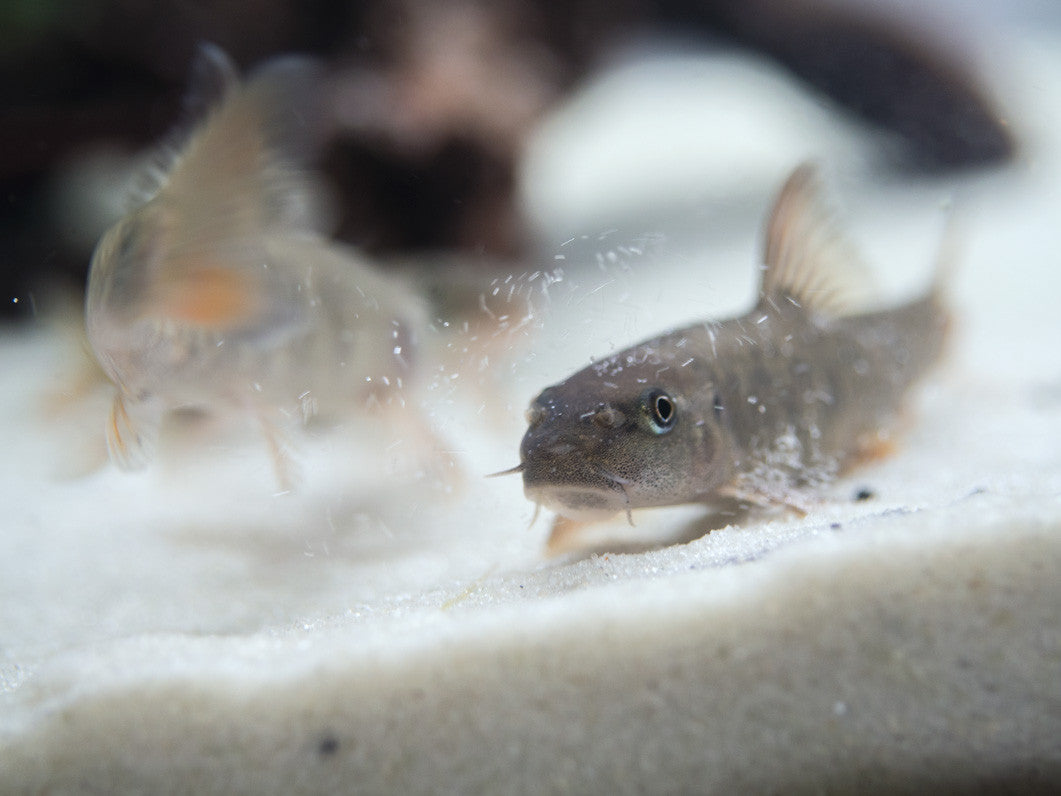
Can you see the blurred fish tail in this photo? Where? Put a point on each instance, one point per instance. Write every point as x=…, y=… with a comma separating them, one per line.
x=951, y=248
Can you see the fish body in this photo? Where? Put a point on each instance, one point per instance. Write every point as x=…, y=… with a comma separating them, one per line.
x=764, y=408
x=218, y=293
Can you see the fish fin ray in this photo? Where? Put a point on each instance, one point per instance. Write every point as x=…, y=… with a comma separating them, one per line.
x=131, y=435
x=873, y=447
x=240, y=170
x=950, y=252
x=282, y=454
x=808, y=259
x=748, y=496
x=213, y=77
x=565, y=536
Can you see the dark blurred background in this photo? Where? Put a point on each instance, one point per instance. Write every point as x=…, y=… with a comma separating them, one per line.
x=433, y=101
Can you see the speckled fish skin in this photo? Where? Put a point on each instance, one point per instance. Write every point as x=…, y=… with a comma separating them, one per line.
x=219, y=294
x=764, y=408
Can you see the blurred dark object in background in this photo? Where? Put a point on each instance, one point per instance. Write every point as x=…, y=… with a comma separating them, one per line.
x=434, y=99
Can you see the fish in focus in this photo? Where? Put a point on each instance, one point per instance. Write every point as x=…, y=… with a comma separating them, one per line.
x=763, y=409
x=219, y=294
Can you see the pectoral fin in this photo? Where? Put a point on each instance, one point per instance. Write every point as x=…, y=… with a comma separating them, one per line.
x=748, y=495
x=870, y=448
x=132, y=433
x=566, y=535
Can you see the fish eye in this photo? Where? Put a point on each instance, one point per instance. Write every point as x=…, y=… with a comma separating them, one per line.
x=660, y=411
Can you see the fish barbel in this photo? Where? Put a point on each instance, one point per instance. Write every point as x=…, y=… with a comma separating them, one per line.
x=764, y=408
x=218, y=293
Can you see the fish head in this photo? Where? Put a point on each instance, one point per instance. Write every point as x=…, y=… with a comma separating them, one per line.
x=604, y=442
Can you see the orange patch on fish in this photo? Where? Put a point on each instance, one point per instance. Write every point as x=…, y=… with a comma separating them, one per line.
x=209, y=296
x=220, y=294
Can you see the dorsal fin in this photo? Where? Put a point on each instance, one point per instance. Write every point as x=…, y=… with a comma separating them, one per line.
x=238, y=179
x=213, y=77
x=808, y=261
x=241, y=169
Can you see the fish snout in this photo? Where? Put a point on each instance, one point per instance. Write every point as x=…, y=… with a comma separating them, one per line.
x=556, y=438
x=537, y=447
x=550, y=459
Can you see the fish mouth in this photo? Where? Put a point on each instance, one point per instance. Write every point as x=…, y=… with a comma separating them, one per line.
x=576, y=503
x=582, y=501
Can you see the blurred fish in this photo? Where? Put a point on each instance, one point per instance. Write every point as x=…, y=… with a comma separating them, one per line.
x=219, y=293
x=435, y=103
x=763, y=409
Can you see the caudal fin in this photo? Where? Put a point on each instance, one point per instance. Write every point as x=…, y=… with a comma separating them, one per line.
x=950, y=252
